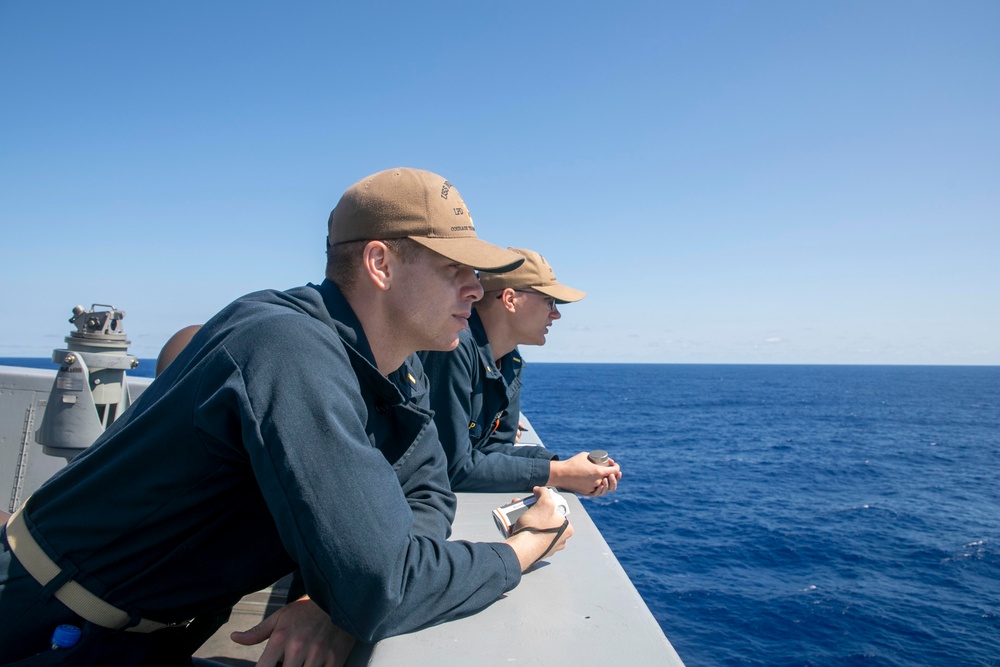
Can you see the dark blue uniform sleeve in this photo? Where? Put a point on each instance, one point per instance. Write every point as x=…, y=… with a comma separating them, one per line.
x=503, y=438
x=451, y=376
x=341, y=511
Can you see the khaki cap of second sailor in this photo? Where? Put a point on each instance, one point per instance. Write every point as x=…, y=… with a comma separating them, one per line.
x=418, y=205
x=536, y=274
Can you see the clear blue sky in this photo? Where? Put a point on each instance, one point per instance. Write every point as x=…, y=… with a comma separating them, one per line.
x=731, y=182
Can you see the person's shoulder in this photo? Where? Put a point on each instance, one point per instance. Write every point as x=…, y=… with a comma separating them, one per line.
x=280, y=324
x=304, y=299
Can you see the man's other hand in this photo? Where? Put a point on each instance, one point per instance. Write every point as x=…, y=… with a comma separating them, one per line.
x=299, y=634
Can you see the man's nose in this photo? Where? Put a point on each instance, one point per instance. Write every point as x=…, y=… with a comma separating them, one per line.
x=472, y=289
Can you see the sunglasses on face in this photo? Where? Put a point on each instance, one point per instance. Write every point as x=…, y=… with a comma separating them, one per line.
x=550, y=301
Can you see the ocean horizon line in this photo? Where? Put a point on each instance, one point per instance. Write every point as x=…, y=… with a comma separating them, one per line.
x=35, y=361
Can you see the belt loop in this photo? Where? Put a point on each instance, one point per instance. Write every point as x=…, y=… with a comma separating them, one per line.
x=61, y=579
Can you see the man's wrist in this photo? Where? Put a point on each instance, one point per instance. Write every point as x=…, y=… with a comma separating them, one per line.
x=555, y=473
x=529, y=547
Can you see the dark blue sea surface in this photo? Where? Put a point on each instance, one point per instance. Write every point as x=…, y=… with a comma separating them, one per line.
x=796, y=515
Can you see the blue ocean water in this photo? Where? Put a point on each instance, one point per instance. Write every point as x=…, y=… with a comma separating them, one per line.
x=796, y=515
x=793, y=515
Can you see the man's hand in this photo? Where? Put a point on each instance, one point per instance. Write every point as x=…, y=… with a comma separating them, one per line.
x=537, y=530
x=299, y=634
x=580, y=475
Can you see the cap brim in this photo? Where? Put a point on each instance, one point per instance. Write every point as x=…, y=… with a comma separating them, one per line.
x=474, y=252
x=560, y=293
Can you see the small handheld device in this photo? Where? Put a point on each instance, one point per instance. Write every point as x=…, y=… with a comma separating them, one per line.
x=506, y=516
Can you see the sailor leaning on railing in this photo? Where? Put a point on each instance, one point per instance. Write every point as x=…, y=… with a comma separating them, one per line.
x=476, y=389
x=291, y=432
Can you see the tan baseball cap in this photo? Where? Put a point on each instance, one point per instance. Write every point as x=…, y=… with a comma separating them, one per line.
x=535, y=274
x=418, y=205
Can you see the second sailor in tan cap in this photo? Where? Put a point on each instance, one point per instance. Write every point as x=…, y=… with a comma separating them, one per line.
x=476, y=389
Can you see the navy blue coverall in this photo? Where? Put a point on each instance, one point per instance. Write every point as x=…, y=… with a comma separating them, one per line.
x=272, y=443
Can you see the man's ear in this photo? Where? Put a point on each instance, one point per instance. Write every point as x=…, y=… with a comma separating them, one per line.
x=378, y=265
x=507, y=299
